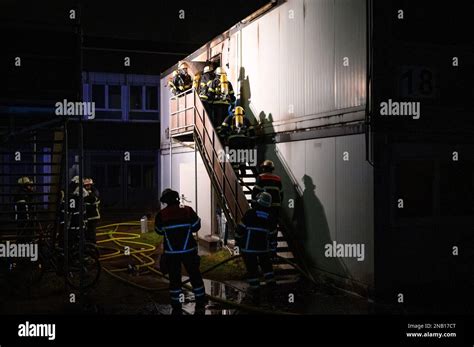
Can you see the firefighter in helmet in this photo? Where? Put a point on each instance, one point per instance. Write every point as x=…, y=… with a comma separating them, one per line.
x=177, y=223
x=92, y=201
x=221, y=94
x=24, y=208
x=254, y=236
x=180, y=81
x=269, y=182
x=238, y=133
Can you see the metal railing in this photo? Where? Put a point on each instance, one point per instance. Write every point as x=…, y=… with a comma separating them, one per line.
x=188, y=116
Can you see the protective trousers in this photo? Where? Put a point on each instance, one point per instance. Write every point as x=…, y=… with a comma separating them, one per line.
x=191, y=262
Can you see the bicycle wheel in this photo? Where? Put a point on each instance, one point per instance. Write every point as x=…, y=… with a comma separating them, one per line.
x=90, y=266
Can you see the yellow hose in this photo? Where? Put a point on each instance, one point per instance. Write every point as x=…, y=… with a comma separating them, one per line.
x=147, y=262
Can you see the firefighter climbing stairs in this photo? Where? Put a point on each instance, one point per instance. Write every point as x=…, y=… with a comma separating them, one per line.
x=35, y=152
x=283, y=271
x=189, y=121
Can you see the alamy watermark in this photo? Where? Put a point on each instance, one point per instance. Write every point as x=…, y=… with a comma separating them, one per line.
x=19, y=250
x=28, y=329
x=396, y=108
x=70, y=108
x=345, y=250
x=238, y=156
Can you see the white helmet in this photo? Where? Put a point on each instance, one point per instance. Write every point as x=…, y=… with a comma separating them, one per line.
x=220, y=71
x=182, y=65
x=207, y=69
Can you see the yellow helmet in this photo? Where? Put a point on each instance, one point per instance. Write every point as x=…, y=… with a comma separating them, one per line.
x=239, y=111
x=24, y=180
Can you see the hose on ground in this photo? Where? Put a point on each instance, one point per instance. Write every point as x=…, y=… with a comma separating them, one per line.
x=148, y=263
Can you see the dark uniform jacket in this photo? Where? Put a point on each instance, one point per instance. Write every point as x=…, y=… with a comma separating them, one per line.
x=205, y=84
x=74, y=203
x=23, y=207
x=177, y=224
x=216, y=95
x=270, y=183
x=255, y=233
x=92, y=202
x=180, y=83
x=229, y=128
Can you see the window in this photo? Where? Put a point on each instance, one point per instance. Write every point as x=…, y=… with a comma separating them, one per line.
x=148, y=176
x=134, y=177
x=113, y=175
x=151, y=98
x=98, y=95
x=135, y=97
x=115, y=97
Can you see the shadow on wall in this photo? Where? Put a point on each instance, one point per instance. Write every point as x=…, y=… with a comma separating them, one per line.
x=303, y=214
x=305, y=219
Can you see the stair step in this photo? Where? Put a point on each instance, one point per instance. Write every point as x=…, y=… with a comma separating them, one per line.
x=285, y=272
x=283, y=249
x=279, y=261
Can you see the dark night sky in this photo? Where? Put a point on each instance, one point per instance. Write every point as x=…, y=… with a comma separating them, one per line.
x=139, y=19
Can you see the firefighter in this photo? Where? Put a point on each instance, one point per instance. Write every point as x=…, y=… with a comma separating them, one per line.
x=222, y=95
x=92, y=201
x=181, y=80
x=238, y=133
x=177, y=223
x=269, y=182
x=23, y=206
x=197, y=81
x=254, y=236
x=74, y=209
x=207, y=78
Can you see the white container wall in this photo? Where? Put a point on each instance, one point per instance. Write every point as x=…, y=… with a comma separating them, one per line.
x=302, y=65
x=183, y=181
x=336, y=203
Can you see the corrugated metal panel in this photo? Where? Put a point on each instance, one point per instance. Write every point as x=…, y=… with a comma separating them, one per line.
x=319, y=200
x=354, y=203
x=350, y=19
x=250, y=70
x=319, y=50
x=290, y=72
x=165, y=95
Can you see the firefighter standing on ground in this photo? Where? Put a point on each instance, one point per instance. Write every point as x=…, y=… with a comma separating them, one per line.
x=221, y=93
x=254, y=236
x=23, y=205
x=74, y=203
x=181, y=80
x=92, y=201
x=269, y=182
x=177, y=224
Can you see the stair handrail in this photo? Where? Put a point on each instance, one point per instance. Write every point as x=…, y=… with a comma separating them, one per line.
x=230, y=192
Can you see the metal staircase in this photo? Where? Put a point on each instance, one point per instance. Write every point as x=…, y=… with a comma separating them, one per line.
x=35, y=152
x=190, y=121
